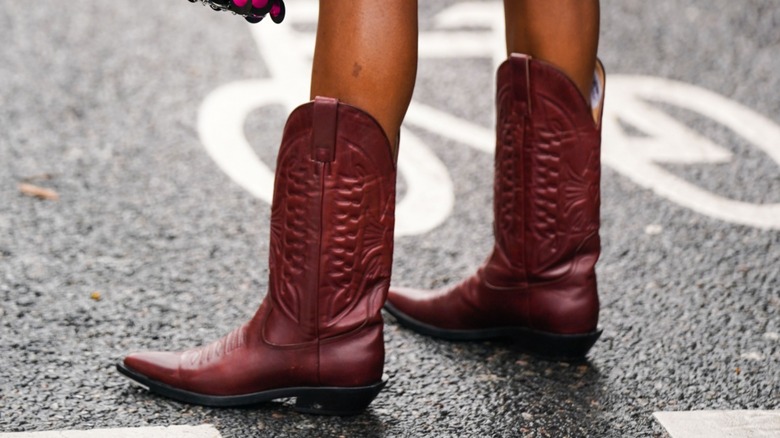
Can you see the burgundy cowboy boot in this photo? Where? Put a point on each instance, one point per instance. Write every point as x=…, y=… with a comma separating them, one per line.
x=318, y=334
x=538, y=286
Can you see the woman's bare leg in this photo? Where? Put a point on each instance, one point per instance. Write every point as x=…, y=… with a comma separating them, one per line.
x=366, y=56
x=564, y=33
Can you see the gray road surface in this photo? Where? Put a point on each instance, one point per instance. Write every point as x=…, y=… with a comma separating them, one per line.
x=99, y=102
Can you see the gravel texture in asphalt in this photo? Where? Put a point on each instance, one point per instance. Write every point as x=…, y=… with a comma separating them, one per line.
x=151, y=246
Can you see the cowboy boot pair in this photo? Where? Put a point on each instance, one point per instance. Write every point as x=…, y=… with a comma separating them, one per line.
x=538, y=286
x=317, y=335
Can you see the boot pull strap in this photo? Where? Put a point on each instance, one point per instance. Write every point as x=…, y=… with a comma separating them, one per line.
x=521, y=81
x=324, y=124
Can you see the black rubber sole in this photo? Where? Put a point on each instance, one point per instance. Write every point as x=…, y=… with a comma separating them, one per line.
x=310, y=400
x=545, y=345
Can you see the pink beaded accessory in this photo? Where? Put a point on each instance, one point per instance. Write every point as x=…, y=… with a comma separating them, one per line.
x=252, y=10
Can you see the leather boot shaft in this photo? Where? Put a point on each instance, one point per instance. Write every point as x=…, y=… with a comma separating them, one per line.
x=547, y=175
x=331, y=224
x=332, y=238
x=547, y=198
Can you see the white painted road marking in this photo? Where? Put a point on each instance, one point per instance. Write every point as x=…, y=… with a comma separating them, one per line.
x=669, y=141
x=205, y=431
x=721, y=424
x=430, y=196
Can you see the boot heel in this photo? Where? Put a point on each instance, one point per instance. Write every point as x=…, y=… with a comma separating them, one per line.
x=338, y=401
x=556, y=347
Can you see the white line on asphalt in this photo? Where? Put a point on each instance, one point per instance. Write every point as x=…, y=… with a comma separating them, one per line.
x=721, y=424
x=666, y=140
x=205, y=431
x=287, y=53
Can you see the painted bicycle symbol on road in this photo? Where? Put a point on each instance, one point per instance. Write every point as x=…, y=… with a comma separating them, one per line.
x=471, y=29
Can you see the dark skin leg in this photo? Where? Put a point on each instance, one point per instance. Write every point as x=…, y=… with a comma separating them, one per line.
x=366, y=51
x=564, y=33
x=366, y=56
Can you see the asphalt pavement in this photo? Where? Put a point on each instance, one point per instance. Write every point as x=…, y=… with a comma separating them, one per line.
x=151, y=244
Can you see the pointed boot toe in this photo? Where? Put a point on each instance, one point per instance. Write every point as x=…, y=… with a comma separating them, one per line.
x=151, y=366
x=402, y=300
x=429, y=312
x=411, y=309
x=405, y=305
